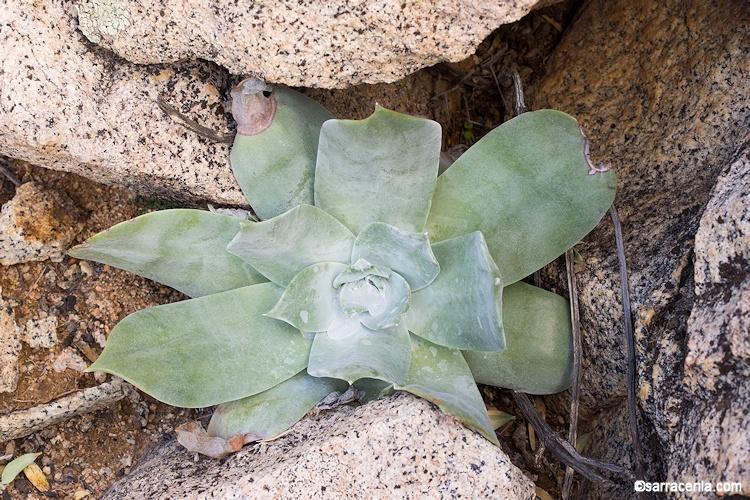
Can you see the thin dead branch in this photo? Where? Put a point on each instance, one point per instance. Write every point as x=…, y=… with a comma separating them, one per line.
x=577, y=358
x=192, y=125
x=630, y=340
x=564, y=451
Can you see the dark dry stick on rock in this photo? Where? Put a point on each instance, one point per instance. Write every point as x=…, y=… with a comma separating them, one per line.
x=577, y=357
x=564, y=451
x=630, y=343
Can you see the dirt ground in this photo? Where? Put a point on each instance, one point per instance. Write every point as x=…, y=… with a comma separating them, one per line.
x=85, y=455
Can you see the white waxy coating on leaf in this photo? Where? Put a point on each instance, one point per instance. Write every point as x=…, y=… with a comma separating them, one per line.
x=462, y=308
x=383, y=355
x=538, y=358
x=276, y=168
x=271, y=412
x=181, y=248
x=310, y=301
x=440, y=374
x=281, y=247
x=380, y=169
x=408, y=253
x=208, y=350
x=526, y=187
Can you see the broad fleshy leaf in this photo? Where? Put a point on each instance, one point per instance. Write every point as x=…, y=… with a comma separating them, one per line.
x=281, y=247
x=527, y=187
x=181, y=248
x=205, y=351
x=383, y=355
x=462, y=308
x=380, y=169
x=407, y=253
x=310, y=300
x=441, y=375
x=276, y=167
x=538, y=358
x=271, y=412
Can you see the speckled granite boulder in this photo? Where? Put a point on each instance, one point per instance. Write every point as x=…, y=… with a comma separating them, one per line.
x=67, y=105
x=663, y=90
x=311, y=43
x=716, y=381
x=397, y=447
x=37, y=224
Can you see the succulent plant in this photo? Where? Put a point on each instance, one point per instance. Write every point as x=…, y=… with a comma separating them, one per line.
x=367, y=268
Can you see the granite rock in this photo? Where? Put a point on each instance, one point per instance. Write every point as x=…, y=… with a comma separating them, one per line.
x=663, y=91
x=41, y=332
x=396, y=447
x=10, y=346
x=67, y=105
x=324, y=44
x=716, y=379
x=36, y=224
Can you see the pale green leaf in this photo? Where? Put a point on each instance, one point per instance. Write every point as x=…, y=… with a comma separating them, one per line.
x=383, y=355
x=308, y=302
x=440, y=375
x=388, y=310
x=526, y=186
x=538, y=358
x=276, y=168
x=16, y=466
x=407, y=253
x=373, y=388
x=181, y=248
x=281, y=247
x=271, y=412
x=205, y=351
x=380, y=169
x=462, y=307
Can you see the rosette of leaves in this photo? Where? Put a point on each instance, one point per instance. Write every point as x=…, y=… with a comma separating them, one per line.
x=367, y=268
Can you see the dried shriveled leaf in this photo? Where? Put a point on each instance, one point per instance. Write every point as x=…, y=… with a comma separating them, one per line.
x=194, y=438
x=205, y=351
x=36, y=477
x=181, y=248
x=499, y=418
x=527, y=187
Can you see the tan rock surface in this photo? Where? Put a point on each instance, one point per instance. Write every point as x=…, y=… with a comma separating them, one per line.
x=310, y=43
x=394, y=447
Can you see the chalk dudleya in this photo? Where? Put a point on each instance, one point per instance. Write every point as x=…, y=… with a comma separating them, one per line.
x=367, y=268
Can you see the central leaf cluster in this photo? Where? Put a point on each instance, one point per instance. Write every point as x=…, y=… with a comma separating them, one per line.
x=361, y=297
x=372, y=295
